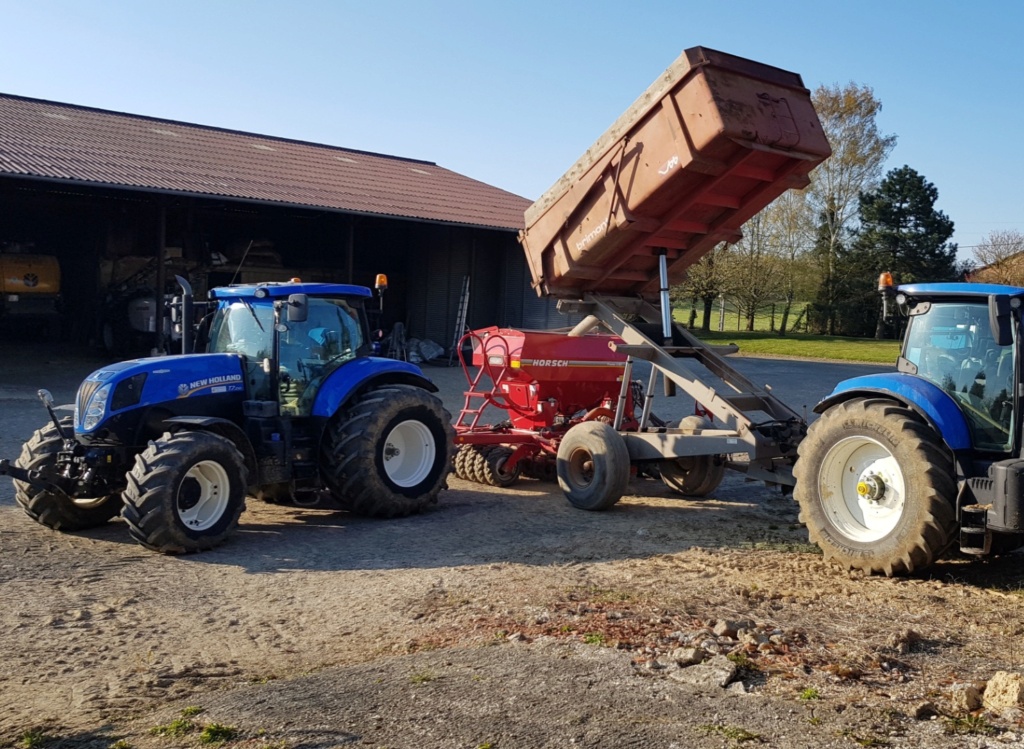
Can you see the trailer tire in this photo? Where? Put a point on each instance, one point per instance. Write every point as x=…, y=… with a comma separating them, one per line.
x=392, y=422
x=876, y=488
x=491, y=467
x=462, y=454
x=693, y=476
x=593, y=466
x=185, y=492
x=54, y=510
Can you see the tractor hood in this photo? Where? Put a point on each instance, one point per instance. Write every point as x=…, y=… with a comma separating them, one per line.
x=140, y=383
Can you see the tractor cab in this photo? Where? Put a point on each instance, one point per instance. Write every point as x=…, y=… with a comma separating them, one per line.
x=963, y=339
x=291, y=337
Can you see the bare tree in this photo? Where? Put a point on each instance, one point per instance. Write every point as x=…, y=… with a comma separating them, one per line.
x=754, y=271
x=1000, y=258
x=793, y=235
x=859, y=150
x=705, y=281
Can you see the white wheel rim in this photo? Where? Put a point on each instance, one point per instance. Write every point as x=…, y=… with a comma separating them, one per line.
x=409, y=453
x=862, y=489
x=203, y=495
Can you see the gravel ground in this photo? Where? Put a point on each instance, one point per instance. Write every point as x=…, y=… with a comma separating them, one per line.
x=500, y=618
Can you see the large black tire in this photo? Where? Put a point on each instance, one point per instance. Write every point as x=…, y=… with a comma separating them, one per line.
x=876, y=488
x=694, y=476
x=697, y=475
x=593, y=466
x=389, y=453
x=185, y=492
x=58, y=511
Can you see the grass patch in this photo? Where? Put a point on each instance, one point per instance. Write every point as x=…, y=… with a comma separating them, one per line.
x=422, y=677
x=735, y=733
x=968, y=725
x=804, y=345
x=32, y=739
x=176, y=728
x=215, y=733
x=593, y=638
x=863, y=740
x=810, y=694
x=191, y=710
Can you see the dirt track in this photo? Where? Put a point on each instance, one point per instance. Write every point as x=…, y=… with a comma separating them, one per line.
x=503, y=619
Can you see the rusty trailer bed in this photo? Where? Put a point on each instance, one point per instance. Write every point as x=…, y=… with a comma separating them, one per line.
x=713, y=141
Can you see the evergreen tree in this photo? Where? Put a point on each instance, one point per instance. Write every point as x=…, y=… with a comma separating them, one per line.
x=902, y=232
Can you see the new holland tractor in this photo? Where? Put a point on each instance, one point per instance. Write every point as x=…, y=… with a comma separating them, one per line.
x=285, y=401
x=902, y=466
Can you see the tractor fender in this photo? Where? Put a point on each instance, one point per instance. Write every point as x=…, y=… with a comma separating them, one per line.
x=925, y=398
x=223, y=428
x=345, y=381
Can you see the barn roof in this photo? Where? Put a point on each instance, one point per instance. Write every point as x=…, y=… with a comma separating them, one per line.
x=67, y=143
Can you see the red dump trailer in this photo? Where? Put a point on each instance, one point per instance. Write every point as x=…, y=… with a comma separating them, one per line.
x=713, y=141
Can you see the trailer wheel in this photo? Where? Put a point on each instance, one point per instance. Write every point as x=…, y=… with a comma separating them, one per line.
x=388, y=454
x=185, y=492
x=462, y=454
x=490, y=466
x=593, y=466
x=694, y=476
x=876, y=488
x=54, y=510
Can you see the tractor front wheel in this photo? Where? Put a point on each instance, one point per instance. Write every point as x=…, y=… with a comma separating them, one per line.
x=388, y=454
x=185, y=493
x=53, y=509
x=876, y=488
x=593, y=466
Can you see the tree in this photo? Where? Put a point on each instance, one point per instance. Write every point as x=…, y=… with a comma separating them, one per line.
x=793, y=230
x=705, y=281
x=1000, y=258
x=859, y=150
x=902, y=232
x=753, y=269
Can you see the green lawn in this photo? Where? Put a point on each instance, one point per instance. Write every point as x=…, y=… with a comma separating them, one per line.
x=808, y=346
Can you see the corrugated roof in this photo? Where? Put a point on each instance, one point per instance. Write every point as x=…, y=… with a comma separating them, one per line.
x=50, y=140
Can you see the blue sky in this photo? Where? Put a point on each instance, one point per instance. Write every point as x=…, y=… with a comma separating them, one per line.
x=512, y=93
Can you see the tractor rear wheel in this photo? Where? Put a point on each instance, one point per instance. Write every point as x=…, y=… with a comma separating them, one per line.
x=593, y=466
x=185, y=493
x=876, y=488
x=52, y=509
x=389, y=453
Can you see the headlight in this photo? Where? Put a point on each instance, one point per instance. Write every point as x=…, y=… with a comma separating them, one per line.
x=97, y=408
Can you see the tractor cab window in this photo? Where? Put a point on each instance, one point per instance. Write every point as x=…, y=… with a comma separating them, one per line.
x=246, y=328
x=951, y=345
x=331, y=335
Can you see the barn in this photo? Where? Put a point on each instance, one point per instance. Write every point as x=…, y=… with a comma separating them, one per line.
x=99, y=209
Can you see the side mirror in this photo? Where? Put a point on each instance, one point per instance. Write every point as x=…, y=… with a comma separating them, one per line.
x=298, y=308
x=999, y=319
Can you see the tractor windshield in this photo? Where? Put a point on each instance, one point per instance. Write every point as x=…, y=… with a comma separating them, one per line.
x=951, y=344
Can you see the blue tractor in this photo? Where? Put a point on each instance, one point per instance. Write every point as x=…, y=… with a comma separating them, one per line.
x=902, y=466
x=283, y=401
